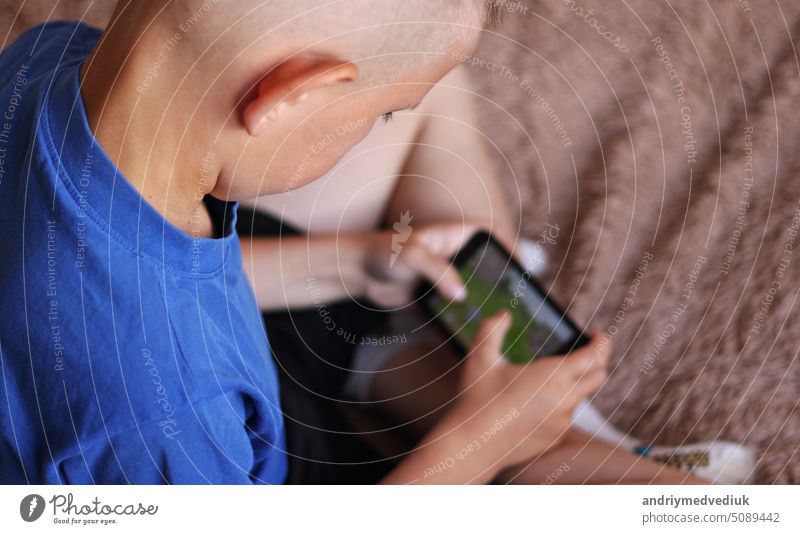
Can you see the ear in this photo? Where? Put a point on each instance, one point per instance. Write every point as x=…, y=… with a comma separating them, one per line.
x=290, y=83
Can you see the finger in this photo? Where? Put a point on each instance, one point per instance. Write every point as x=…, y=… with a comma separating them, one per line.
x=490, y=335
x=590, y=381
x=390, y=295
x=446, y=239
x=438, y=271
x=595, y=354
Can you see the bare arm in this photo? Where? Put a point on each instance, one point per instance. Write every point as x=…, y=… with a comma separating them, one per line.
x=302, y=271
x=306, y=271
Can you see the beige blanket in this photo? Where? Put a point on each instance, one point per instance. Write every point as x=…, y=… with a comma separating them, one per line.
x=663, y=138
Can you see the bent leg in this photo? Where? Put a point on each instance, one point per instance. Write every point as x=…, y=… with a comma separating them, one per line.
x=581, y=459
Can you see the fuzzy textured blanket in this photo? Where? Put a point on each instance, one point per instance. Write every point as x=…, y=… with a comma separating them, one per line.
x=661, y=137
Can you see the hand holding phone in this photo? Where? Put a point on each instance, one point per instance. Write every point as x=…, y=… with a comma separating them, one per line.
x=495, y=281
x=508, y=413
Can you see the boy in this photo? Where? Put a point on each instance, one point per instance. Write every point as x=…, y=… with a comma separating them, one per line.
x=131, y=347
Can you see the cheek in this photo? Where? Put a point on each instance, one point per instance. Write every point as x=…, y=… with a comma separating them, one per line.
x=322, y=152
x=296, y=160
x=337, y=145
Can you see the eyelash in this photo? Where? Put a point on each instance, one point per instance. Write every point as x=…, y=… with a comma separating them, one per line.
x=387, y=117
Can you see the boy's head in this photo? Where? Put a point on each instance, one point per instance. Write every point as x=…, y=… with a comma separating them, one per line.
x=285, y=87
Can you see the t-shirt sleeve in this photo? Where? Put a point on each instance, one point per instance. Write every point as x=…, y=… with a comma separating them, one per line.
x=206, y=443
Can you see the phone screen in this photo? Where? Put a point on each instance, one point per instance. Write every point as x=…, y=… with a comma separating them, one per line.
x=494, y=282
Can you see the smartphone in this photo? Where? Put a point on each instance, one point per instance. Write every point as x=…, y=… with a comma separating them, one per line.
x=495, y=281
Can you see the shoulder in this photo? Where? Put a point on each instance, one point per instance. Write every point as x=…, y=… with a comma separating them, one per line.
x=42, y=48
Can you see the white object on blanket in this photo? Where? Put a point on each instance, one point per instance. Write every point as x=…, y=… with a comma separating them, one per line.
x=532, y=256
x=721, y=462
x=589, y=419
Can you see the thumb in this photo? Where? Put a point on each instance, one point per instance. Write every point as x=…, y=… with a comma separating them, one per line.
x=594, y=355
x=438, y=271
x=488, y=343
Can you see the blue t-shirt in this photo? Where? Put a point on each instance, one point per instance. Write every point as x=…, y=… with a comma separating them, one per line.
x=130, y=352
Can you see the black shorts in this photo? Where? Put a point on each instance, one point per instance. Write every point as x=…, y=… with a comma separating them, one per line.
x=313, y=361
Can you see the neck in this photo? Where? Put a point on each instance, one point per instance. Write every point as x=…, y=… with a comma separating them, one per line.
x=142, y=121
